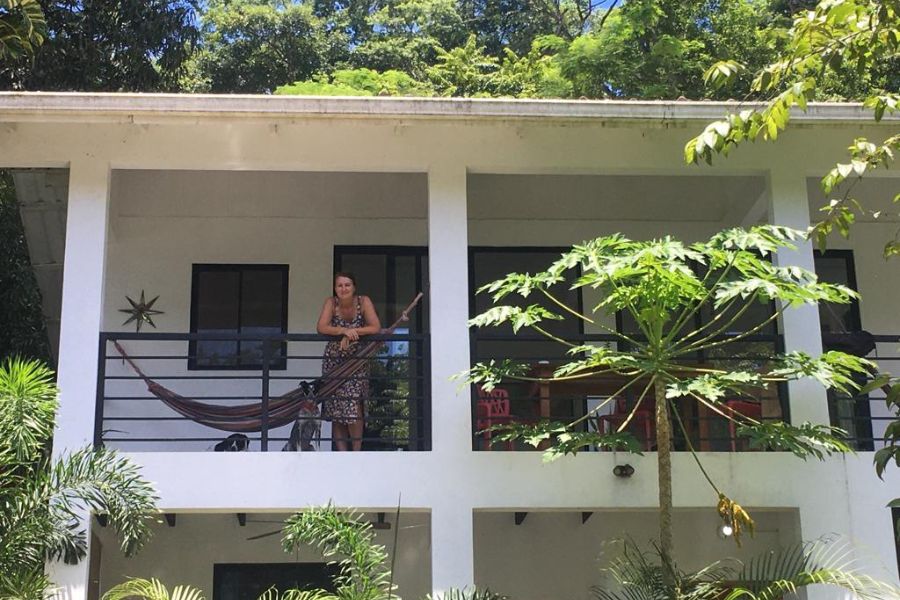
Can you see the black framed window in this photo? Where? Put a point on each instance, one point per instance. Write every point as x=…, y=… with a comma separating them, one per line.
x=237, y=299
x=490, y=263
x=836, y=266
x=249, y=581
x=842, y=330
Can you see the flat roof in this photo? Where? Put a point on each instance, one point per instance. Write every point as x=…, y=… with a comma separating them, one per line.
x=39, y=106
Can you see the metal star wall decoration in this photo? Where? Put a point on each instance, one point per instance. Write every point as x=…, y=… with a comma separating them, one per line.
x=141, y=312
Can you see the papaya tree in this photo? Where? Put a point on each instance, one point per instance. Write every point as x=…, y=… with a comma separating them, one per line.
x=660, y=286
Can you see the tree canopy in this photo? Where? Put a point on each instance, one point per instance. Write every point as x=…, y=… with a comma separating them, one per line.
x=514, y=48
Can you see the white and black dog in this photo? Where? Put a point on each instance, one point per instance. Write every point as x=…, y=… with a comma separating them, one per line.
x=307, y=427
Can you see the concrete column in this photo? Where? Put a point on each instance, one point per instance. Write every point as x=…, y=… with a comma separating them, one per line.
x=452, y=544
x=81, y=322
x=448, y=268
x=789, y=206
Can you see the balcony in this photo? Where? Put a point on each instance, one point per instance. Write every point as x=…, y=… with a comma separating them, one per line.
x=253, y=392
x=600, y=405
x=865, y=417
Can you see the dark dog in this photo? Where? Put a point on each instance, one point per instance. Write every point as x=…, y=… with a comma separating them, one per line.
x=307, y=427
x=236, y=442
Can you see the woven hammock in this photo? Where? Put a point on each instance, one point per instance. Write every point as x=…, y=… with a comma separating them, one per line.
x=248, y=418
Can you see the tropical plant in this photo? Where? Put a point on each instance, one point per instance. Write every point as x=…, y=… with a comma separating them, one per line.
x=151, y=589
x=661, y=287
x=111, y=45
x=22, y=28
x=348, y=542
x=21, y=317
x=43, y=500
x=838, y=39
x=468, y=594
x=639, y=575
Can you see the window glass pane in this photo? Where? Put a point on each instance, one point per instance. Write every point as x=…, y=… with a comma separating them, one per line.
x=371, y=280
x=249, y=581
x=543, y=355
x=236, y=299
x=836, y=318
x=262, y=310
x=216, y=312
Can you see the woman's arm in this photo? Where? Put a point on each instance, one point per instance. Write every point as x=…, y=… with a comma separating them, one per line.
x=324, y=326
x=373, y=325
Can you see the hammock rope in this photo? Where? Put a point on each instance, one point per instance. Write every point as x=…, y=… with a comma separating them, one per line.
x=283, y=409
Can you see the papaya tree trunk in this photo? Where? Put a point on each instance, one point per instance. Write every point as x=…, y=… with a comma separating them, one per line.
x=664, y=459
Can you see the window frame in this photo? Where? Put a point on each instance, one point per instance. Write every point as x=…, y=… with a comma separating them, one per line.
x=855, y=315
x=197, y=269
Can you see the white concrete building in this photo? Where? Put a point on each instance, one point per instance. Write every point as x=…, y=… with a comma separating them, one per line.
x=236, y=211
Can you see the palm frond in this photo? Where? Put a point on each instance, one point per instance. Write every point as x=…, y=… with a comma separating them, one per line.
x=151, y=589
x=642, y=575
x=273, y=594
x=468, y=594
x=349, y=542
x=28, y=403
x=819, y=562
x=24, y=583
x=106, y=483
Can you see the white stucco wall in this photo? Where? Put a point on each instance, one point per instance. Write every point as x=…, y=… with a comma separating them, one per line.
x=185, y=554
x=841, y=494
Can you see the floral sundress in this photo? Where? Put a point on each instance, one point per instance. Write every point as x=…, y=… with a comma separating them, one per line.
x=344, y=405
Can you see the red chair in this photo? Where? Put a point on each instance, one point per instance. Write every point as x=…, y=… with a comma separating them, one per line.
x=745, y=408
x=493, y=409
x=643, y=417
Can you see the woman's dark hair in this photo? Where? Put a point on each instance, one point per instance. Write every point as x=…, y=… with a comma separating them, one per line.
x=346, y=274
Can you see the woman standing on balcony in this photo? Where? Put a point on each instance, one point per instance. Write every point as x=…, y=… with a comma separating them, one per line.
x=350, y=316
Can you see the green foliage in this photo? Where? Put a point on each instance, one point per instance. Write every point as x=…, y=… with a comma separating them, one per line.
x=111, y=45
x=22, y=29
x=254, y=46
x=641, y=575
x=805, y=441
x=358, y=82
x=468, y=594
x=822, y=562
x=852, y=41
x=42, y=500
x=21, y=319
x=660, y=286
x=406, y=35
x=151, y=589
x=658, y=49
x=349, y=543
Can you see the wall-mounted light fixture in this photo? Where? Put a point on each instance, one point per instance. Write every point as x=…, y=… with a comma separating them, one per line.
x=623, y=470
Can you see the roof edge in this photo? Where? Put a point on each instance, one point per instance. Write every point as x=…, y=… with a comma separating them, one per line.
x=115, y=105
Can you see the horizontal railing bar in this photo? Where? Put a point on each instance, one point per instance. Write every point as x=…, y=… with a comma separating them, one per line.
x=606, y=337
x=241, y=398
x=277, y=358
x=280, y=337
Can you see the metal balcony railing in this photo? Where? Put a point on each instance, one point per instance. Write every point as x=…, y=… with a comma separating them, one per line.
x=255, y=392
x=865, y=417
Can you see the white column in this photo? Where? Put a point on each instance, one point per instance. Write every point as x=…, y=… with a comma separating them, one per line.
x=451, y=421
x=452, y=543
x=789, y=206
x=81, y=323
x=452, y=553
